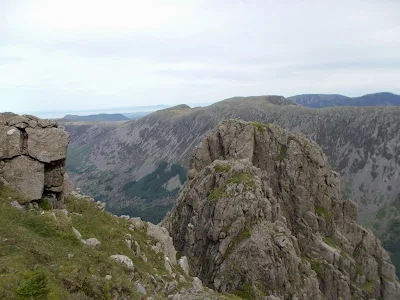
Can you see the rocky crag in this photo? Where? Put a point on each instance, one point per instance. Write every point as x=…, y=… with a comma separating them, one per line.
x=68, y=247
x=262, y=217
x=32, y=157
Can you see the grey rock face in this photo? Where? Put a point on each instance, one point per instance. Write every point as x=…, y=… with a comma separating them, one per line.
x=165, y=241
x=263, y=214
x=68, y=185
x=26, y=174
x=32, y=157
x=183, y=262
x=47, y=144
x=10, y=142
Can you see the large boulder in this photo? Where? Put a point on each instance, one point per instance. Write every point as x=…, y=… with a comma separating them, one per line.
x=25, y=174
x=32, y=157
x=47, y=144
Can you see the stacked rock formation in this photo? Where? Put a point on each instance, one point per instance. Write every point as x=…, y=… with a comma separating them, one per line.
x=32, y=157
x=262, y=217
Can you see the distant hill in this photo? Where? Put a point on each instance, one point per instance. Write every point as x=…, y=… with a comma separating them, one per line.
x=326, y=100
x=95, y=118
x=137, y=115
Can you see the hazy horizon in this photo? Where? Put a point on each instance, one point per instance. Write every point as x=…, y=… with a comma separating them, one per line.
x=92, y=55
x=110, y=110
x=125, y=110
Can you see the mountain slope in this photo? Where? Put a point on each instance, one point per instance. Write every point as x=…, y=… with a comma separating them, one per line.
x=324, y=100
x=361, y=144
x=95, y=118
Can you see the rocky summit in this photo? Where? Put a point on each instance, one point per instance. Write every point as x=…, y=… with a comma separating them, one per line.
x=32, y=157
x=262, y=217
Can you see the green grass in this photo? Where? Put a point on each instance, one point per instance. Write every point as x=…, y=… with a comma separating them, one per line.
x=40, y=257
x=344, y=255
x=245, y=234
x=246, y=178
x=359, y=270
x=369, y=286
x=282, y=153
x=316, y=266
x=222, y=168
x=328, y=240
x=246, y=292
x=34, y=286
x=323, y=212
x=260, y=126
x=44, y=204
x=216, y=194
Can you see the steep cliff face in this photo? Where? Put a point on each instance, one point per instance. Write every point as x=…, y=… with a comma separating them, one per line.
x=262, y=215
x=32, y=157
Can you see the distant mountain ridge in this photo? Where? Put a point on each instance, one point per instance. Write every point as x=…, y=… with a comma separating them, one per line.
x=95, y=118
x=330, y=100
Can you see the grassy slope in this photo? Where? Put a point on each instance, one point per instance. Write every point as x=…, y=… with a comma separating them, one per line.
x=40, y=257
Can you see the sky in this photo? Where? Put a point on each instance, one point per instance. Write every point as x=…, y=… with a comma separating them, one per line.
x=95, y=55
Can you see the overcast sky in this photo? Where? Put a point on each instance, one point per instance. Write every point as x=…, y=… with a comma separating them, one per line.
x=65, y=55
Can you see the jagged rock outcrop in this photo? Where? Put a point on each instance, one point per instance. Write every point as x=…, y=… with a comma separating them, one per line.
x=32, y=157
x=262, y=215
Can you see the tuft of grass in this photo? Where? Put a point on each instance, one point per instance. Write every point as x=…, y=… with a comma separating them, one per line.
x=388, y=279
x=35, y=286
x=344, y=255
x=222, y=168
x=316, y=266
x=245, y=234
x=216, y=194
x=246, y=178
x=369, y=286
x=328, y=240
x=359, y=269
x=246, y=292
x=260, y=126
x=45, y=204
x=282, y=153
x=323, y=212
x=7, y=192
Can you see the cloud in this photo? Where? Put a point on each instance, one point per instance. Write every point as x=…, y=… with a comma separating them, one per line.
x=92, y=54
